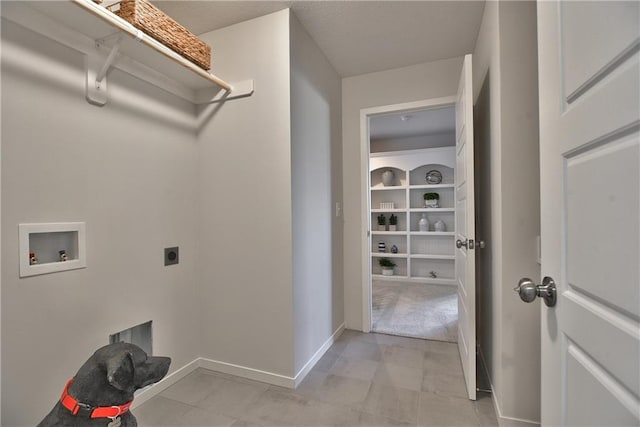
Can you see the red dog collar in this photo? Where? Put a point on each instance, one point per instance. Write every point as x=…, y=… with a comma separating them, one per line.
x=94, y=412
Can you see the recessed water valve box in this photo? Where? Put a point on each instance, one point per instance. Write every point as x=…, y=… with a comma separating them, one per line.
x=51, y=247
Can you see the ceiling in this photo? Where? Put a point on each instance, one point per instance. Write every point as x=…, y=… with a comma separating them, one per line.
x=357, y=37
x=416, y=123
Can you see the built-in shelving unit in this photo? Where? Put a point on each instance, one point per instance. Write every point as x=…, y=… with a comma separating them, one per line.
x=420, y=253
x=110, y=41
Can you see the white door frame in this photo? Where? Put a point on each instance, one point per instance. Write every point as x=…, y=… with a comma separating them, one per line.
x=365, y=197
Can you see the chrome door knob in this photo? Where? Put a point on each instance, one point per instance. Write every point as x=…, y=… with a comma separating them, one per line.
x=528, y=290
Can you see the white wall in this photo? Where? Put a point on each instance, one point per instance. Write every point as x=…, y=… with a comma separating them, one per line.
x=505, y=79
x=232, y=184
x=521, y=204
x=270, y=174
x=413, y=142
x=244, y=160
x=0, y=234
x=487, y=131
x=414, y=83
x=316, y=187
x=126, y=170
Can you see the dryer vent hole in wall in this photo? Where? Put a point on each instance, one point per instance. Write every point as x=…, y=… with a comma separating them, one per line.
x=171, y=255
x=139, y=335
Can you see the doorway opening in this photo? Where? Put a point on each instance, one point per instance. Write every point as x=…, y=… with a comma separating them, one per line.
x=410, y=287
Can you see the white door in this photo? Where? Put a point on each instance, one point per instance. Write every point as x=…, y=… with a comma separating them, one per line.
x=590, y=211
x=465, y=229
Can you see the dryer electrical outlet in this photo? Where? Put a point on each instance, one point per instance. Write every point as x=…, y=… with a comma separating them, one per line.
x=171, y=255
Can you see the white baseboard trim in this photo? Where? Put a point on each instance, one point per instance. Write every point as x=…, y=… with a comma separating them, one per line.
x=250, y=373
x=157, y=388
x=241, y=371
x=503, y=421
x=317, y=356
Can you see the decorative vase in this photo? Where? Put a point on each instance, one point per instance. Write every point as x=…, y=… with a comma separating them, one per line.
x=440, y=225
x=394, y=249
x=387, y=178
x=382, y=227
x=387, y=271
x=433, y=203
x=392, y=227
x=382, y=247
x=423, y=224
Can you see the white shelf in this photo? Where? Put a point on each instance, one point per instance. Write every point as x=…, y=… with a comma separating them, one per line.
x=440, y=257
x=392, y=278
x=93, y=30
x=388, y=233
x=388, y=210
x=391, y=187
x=432, y=233
x=387, y=255
x=430, y=186
x=432, y=210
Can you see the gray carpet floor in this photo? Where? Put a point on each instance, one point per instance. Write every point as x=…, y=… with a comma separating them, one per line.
x=415, y=310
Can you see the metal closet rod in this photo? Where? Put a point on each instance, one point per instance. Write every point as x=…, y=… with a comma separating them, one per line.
x=132, y=31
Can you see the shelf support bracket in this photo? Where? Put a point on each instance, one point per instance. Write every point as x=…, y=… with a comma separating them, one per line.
x=107, y=64
x=97, y=69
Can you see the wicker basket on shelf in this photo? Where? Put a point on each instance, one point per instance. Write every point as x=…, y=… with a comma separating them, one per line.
x=152, y=21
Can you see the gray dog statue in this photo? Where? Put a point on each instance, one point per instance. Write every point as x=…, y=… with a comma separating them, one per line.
x=101, y=392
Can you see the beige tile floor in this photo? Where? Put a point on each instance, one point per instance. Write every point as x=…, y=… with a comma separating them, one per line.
x=363, y=380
